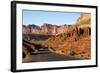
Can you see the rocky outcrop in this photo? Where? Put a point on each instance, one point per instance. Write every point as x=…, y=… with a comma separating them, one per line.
x=84, y=19
x=46, y=28
x=76, y=42
x=31, y=28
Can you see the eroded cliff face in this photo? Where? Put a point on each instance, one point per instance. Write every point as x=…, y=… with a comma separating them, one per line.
x=31, y=28
x=76, y=42
x=46, y=29
x=84, y=19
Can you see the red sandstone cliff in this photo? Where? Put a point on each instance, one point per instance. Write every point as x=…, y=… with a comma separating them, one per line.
x=76, y=42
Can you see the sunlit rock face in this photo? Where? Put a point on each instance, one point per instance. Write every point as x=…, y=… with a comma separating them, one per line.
x=84, y=19
x=31, y=28
x=47, y=29
x=76, y=42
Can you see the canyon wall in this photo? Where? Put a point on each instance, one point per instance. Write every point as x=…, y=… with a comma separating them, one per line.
x=46, y=29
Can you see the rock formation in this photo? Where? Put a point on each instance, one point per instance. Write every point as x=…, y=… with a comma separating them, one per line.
x=76, y=42
x=31, y=28
x=84, y=19
x=46, y=28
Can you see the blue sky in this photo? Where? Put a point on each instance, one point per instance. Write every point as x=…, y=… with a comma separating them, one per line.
x=51, y=17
